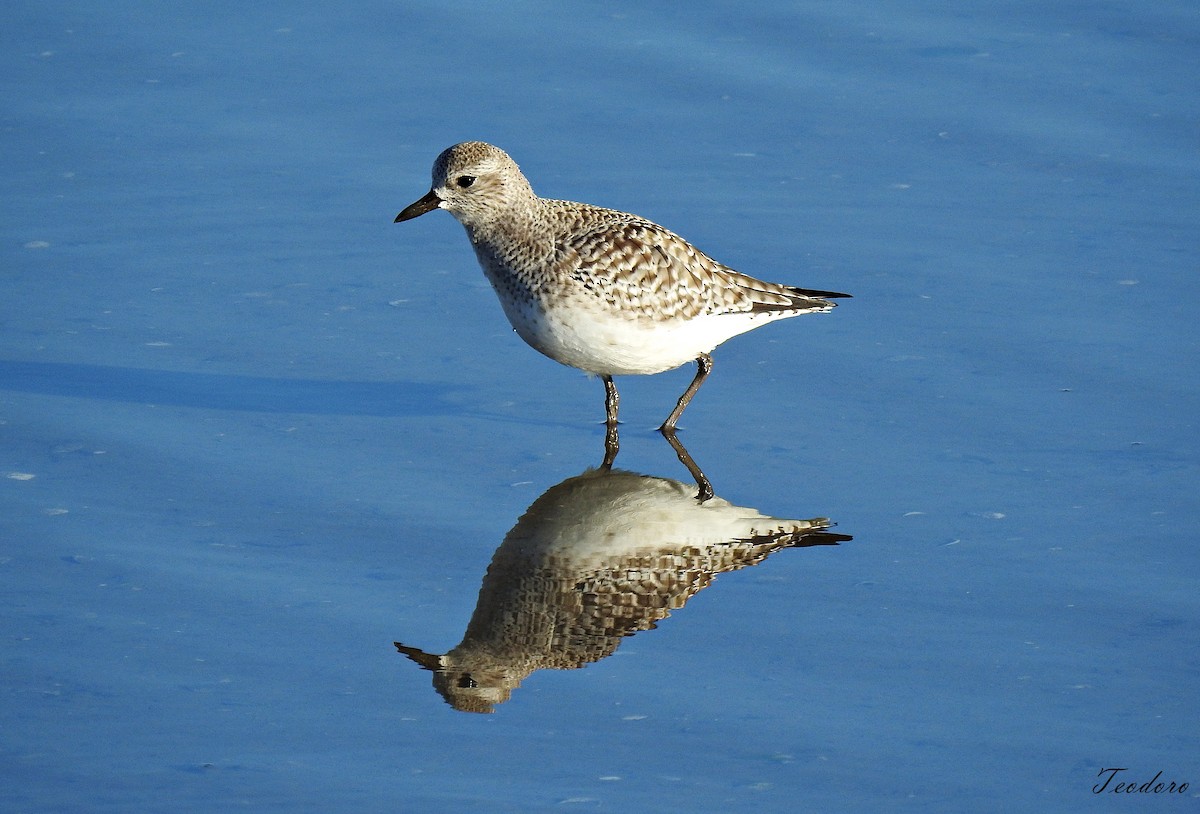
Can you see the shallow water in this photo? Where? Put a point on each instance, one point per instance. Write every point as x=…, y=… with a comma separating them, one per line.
x=252, y=433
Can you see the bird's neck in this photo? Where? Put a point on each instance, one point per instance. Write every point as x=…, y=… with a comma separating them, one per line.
x=520, y=237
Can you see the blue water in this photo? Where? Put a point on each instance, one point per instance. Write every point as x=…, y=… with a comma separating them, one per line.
x=252, y=433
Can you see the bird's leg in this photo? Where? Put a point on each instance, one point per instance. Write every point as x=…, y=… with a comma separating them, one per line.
x=611, y=401
x=704, y=366
x=704, y=488
x=612, y=443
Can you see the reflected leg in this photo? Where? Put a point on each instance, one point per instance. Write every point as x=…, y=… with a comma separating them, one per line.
x=705, y=490
x=612, y=445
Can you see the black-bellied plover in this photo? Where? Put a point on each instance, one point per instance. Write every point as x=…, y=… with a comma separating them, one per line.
x=604, y=291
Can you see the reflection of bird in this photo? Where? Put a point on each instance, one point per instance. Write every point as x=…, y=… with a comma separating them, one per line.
x=604, y=291
x=598, y=557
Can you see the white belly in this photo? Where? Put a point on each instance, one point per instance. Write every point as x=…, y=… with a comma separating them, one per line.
x=607, y=344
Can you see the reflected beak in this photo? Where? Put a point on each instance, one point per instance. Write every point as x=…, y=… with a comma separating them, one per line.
x=427, y=204
x=430, y=661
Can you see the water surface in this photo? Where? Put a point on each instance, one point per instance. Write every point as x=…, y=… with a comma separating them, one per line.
x=252, y=433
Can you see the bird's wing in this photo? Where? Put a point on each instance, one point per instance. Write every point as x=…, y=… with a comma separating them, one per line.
x=643, y=268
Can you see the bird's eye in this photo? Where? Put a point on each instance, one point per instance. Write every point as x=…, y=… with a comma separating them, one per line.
x=465, y=181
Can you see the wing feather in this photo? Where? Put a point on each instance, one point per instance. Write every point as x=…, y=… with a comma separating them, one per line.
x=642, y=268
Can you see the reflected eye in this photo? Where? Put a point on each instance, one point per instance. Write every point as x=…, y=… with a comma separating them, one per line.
x=465, y=181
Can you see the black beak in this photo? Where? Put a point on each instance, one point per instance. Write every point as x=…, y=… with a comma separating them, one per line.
x=416, y=209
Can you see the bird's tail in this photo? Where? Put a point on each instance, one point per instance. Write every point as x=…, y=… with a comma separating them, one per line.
x=823, y=295
x=791, y=300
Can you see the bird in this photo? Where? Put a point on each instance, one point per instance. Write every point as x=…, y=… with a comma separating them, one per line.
x=604, y=291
